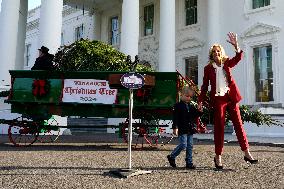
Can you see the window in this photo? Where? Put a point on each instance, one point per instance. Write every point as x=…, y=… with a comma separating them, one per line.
x=191, y=68
x=28, y=54
x=114, y=32
x=263, y=73
x=260, y=3
x=62, y=39
x=190, y=12
x=79, y=32
x=148, y=20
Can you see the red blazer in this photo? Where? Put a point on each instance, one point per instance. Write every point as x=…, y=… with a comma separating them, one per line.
x=210, y=76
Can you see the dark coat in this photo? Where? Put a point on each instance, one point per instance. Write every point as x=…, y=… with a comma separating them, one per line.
x=210, y=77
x=184, y=117
x=43, y=63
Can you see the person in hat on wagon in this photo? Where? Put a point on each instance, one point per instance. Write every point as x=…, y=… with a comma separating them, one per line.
x=44, y=60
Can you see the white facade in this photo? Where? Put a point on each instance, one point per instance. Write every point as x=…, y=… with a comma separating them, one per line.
x=13, y=18
x=72, y=18
x=256, y=28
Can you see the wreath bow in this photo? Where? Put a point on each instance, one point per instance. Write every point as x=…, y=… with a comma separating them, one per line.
x=40, y=87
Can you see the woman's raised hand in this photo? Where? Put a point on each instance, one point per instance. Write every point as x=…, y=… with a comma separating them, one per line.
x=233, y=39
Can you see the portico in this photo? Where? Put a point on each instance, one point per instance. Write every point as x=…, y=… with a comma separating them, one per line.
x=13, y=29
x=13, y=21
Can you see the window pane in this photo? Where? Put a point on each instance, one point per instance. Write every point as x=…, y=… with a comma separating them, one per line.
x=260, y=3
x=263, y=73
x=266, y=2
x=190, y=12
x=62, y=39
x=148, y=20
x=191, y=69
x=114, y=33
x=28, y=54
x=79, y=32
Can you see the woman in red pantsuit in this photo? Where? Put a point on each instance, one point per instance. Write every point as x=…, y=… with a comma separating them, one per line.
x=224, y=95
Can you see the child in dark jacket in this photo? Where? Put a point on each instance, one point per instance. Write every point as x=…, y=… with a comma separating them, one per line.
x=184, y=117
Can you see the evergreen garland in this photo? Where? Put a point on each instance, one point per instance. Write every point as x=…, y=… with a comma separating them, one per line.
x=86, y=55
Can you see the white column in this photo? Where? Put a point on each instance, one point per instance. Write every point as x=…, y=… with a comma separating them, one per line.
x=167, y=36
x=50, y=24
x=0, y=5
x=130, y=28
x=97, y=24
x=13, y=19
x=213, y=19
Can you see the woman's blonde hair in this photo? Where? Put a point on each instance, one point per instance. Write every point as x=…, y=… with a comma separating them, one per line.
x=224, y=57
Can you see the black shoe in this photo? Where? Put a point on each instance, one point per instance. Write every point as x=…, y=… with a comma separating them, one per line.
x=171, y=161
x=190, y=166
x=218, y=166
x=252, y=161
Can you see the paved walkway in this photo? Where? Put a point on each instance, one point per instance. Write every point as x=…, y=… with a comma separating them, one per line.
x=84, y=161
x=80, y=164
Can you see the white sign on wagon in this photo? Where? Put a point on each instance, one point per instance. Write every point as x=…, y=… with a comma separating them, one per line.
x=88, y=91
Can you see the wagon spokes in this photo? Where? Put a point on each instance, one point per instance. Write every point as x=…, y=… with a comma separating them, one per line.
x=49, y=131
x=22, y=132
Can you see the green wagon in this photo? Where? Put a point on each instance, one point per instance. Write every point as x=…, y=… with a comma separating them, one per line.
x=37, y=95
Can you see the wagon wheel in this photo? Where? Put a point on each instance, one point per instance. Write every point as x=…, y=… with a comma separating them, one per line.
x=49, y=131
x=22, y=132
x=144, y=130
x=164, y=135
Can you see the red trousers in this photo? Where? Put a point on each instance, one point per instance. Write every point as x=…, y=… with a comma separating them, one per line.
x=221, y=104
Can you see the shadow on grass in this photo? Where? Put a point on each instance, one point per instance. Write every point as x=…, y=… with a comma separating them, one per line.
x=18, y=170
x=97, y=170
x=198, y=169
x=166, y=170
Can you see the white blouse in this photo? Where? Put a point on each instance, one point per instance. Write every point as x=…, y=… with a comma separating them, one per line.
x=221, y=80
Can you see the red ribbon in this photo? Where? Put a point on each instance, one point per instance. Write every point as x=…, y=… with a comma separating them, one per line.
x=38, y=87
x=140, y=93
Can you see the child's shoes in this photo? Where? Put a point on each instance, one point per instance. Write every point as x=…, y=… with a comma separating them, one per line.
x=171, y=161
x=190, y=166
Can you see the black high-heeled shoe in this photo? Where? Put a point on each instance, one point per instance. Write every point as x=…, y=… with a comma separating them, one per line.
x=252, y=161
x=217, y=166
